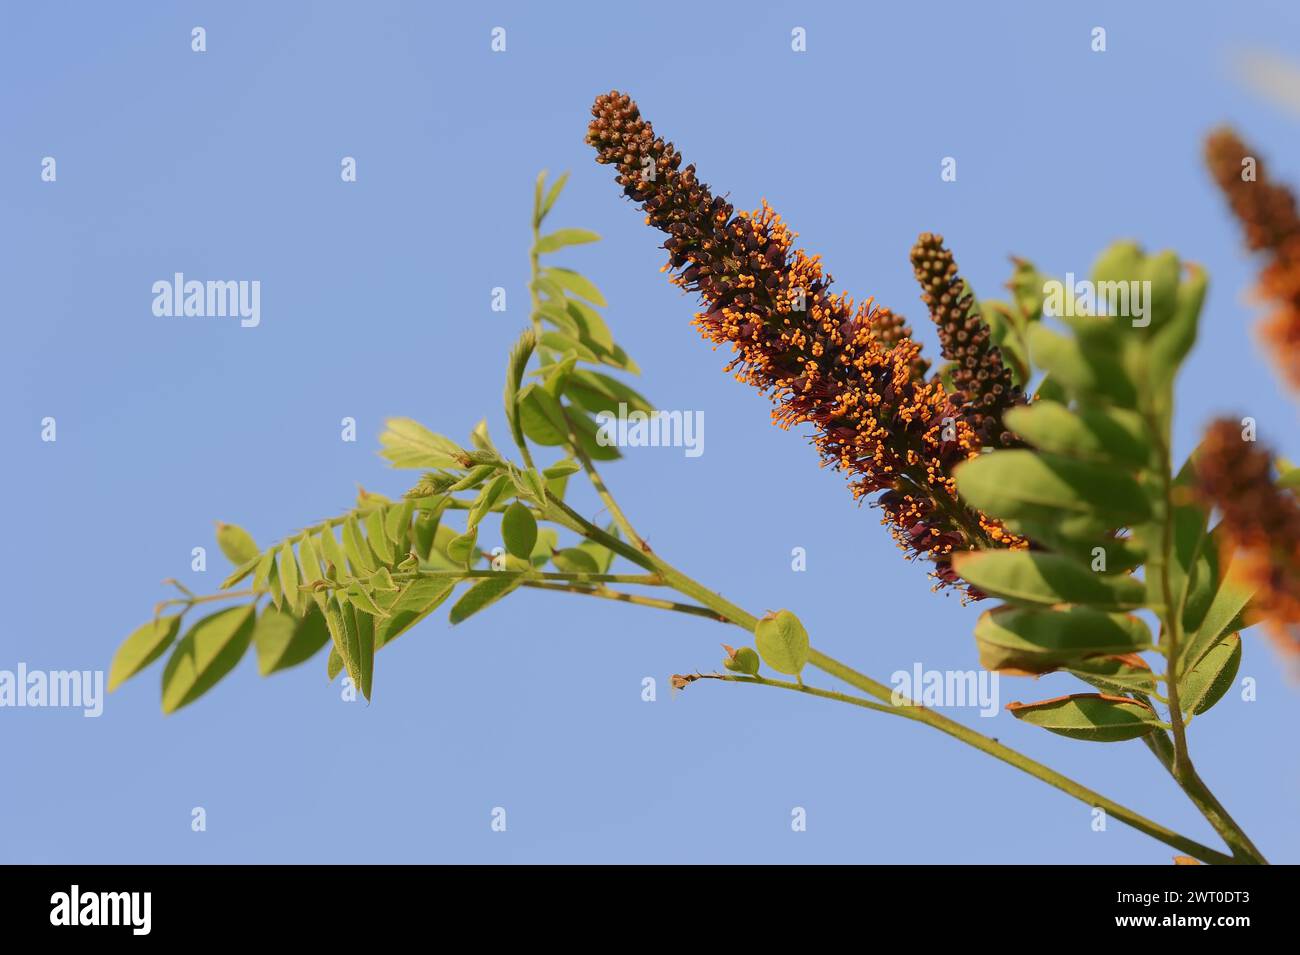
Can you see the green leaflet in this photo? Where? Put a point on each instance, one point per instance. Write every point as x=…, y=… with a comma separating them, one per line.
x=236, y=543
x=145, y=644
x=519, y=355
x=564, y=237
x=519, y=530
x=365, y=625
x=334, y=620
x=334, y=665
x=1038, y=641
x=1120, y=674
x=461, y=549
x=240, y=572
x=1094, y=434
x=596, y=392
x=542, y=207
x=1040, y=486
x=782, y=642
x=579, y=285
x=482, y=595
x=330, y=550
x=1082, y=368
x=1205, y=683
x=419, y=599
x=205, y=654
x=283, y=640
x=1029, y=577
x=1223, y=614
x=493, y=494
x=540, y=416
x=358, y=551
x=408, y=444
x=352, y=636
x=363, y=600
x=377, y=537
x=572, y=560
x=1089, y=716
x=289, y=578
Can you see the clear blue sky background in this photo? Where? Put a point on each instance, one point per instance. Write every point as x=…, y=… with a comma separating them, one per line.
x=375, y=302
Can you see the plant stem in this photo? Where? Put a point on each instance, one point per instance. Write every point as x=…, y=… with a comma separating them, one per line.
x=645, y=580
x=1179, y=763
x=638, y=599
x=724, y=608
x=942, y=723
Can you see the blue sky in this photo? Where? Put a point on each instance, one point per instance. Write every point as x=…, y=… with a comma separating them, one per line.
x=375, y=302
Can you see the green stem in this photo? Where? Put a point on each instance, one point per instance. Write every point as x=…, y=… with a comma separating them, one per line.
x=725, y=608
x=645, y=580
x=1179, y=763
x=638, y=599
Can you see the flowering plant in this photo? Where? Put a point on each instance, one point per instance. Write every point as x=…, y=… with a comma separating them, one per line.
x=1031, y=471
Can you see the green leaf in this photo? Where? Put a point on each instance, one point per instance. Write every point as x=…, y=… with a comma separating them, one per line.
x=1223, y=614
x=571, y=560
x=236, y=543
x=289, y=578
x=540, y=416
x=145, y=644
x=240, y=572
x=409, y=444
x=419, y=599
x=262, y=574
x=561, y=468
x=1039, y=486
x=492, y=495
x=577, y=284
x=283, y=640
x=209, y=651
x=554, y=193
x=519, y=355
x=589, y=439
x=1205, y=684
x=519, y=530
x=782, y=641
x=1026, y=640
x=334, y=620
x=330, y=550
x=360, y=558
x=1172, y=343
x=1120, y=674
x=377, y=536
x=460, y=549
x=1085, y=369
x=312, y=569
x=1090, y=716
x=547, y=540
x=365, y=624
x=1029, y=577
x=1093, y=434
x=597, y=392
x=593, y=331
x=334, y=665
x=352, y=634
x=397, y=527
x=563, y=237
x=365, y=601
x=483, y=594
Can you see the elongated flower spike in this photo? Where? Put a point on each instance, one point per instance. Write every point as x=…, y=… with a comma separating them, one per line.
x=851, y=371
x=1262, y=521
x=984, y=389
x=1267, y=212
